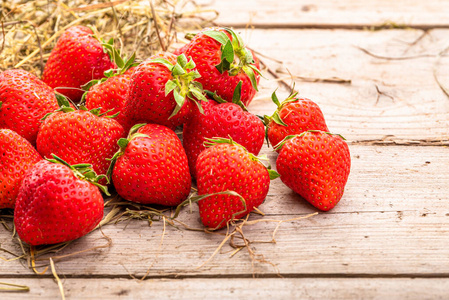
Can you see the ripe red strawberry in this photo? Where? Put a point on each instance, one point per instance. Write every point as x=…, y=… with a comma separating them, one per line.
x=223, y=61
x=110, y=94
x=57, y=203
x=293, y=116
x=80, y=136
x=17, y=156
x=227, y=166
x=77, y=58
x=24, y=101
x=316, y=165
x=151, y=167
x=161, y=89
x=221, y=120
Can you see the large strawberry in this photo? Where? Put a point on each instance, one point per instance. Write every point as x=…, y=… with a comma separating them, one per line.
x=151, y=167
x=223, y=61
x=221, y=120
x=77, y=58
x=24, y=100
x=162, y=91
x=293, y=116
x=57, y=203
x=17, y=156
x=80, y=136
x=110, y=92
x=316, y=165
x=232, y=182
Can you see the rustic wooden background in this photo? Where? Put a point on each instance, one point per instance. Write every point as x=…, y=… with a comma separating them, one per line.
x=371, y=66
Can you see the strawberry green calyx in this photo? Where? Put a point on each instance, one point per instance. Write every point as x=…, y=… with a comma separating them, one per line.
x=123, y=143
x=275, y=117
x=84, y=172
x=183, y=84
x=234, y=55
x=217, y=140
x=236, y=98
x=289, y=137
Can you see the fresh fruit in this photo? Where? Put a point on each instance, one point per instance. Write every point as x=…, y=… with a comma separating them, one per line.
x=316, y=165
x=24, y=100
x=17, y=156
x=221, y=120
x=293, y=116
x=223, y=61
x=57, y=203
x=80, y=136
x=163, y=90
x=228, y=167
x=110, y=94
x=77, y=58
x=151, y=167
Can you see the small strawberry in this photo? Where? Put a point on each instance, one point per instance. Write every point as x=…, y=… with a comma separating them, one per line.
x=80, y=136
x=58, y=203
x=316, y=165
x=162, y=91
x=293, y=116
x=24, y=101
x=110, y=92
x=228, y=167
x=223, y=61
x=221, y=120
x=17, y=156
x=151, y=166
x=77, y=58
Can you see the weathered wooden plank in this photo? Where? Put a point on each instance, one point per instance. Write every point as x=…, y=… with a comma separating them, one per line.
x=411, y=107
x=330, y=13
x=393, y=219
x=240, y=288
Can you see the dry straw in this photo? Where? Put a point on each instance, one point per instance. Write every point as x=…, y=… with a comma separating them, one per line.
x=30, y=29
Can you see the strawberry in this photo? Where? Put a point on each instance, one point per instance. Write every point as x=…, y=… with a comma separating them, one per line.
x=151, y=166
x=316, y=165
x=80, y=136
x=77, y=58
x=57, y=203
x=231, y=181
x=223, y=61
x=293, y=116
x=221, y=120
x=110, y=92
x=24, y=100
x=17, y=156
x=161, y=89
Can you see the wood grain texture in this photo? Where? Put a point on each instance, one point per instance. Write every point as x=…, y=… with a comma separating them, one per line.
x=237, y=288
x=392, y=220
x=330, y=13
x=410, y=108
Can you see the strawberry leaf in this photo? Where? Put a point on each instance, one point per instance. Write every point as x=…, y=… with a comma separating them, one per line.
x=215, y=96
x=170, y=86
x=1, y=103
x=250, y=73
x=273, y=174
x=219, y=36
x=162, y=61
x=178, y=70
x=182, y=60
x=275, y=99
x=227, y=57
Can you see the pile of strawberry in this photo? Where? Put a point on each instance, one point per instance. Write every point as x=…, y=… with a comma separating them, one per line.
x=59, y=132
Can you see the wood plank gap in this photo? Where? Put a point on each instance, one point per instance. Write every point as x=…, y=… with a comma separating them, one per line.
x=324, y=26
x=388, y=142
x=233, y=276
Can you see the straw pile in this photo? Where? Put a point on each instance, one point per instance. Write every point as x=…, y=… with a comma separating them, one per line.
x=30, y=29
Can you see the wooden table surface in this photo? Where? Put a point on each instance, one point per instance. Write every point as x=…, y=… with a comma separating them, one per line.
x=373, y=67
